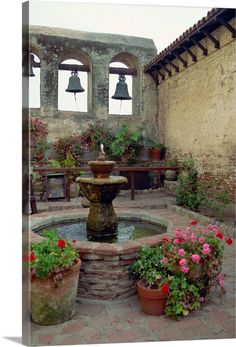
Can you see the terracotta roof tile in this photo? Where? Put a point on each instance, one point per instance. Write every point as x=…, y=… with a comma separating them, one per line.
x=184, y=35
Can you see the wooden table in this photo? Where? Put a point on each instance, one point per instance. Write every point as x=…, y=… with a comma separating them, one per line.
x=131, y=169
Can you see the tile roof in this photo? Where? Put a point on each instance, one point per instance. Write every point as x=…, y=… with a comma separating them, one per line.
x=194, y=29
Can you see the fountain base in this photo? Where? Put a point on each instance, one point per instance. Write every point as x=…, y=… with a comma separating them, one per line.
x=102, y=222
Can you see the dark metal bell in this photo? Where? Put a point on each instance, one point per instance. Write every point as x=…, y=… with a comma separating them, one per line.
x=74, y=85
x=121, y=92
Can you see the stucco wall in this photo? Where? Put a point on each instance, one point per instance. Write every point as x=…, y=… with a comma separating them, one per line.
x=197, y=109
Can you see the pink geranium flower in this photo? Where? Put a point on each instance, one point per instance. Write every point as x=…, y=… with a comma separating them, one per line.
x=206, y=251
x=183, y=262
x=178, y=233
x=184, y=269
x=195, y=258
x=181, y=252
x=205, y=231
x=164, y=260
x=176, y=241
x=220, y=279
x=201, y=239
x=193, y=238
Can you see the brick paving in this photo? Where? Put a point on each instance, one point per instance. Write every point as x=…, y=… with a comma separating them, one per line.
x=123, y=321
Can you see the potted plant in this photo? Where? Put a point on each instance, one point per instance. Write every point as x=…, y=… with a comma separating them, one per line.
x=152, y=282
x=54, y=271
x=185, y=267
x=171, y=175
x=156, y=150
x=127, y=144
x=97, y=133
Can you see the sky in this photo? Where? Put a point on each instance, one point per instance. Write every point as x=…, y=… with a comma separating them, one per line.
x=162, y=24
x=10, y=139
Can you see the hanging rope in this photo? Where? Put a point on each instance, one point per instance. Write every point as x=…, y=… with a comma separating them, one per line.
x=76, y=102
x=120, y=106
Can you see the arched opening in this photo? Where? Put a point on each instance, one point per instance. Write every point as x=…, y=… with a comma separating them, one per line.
x=34, y=83
x=68, y=101
x=128, y=65
x=123, y=107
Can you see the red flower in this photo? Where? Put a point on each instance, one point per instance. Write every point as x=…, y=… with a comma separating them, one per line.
x=165, y=239
x=194, y=222
x=40, y=157
x=229, y=241
x=61, y=243
x=32, y=257
x=73, y=241
x=220, y=235
x=165, y=288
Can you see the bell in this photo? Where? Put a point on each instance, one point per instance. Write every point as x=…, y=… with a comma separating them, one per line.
x=121, y=92
x=74, y=85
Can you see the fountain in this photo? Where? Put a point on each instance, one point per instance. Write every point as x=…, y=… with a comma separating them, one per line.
x=101, y=190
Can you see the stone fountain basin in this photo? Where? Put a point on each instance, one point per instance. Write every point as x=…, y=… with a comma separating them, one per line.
x=102, y=190
x=101, y=169
x=103, y=273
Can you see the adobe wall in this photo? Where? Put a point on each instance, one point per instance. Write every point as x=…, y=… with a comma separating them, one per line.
x=54, y=45
x=197, y=109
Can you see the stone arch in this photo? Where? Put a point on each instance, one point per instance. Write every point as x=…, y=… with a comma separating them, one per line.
x=84, y=59
x=131, y=61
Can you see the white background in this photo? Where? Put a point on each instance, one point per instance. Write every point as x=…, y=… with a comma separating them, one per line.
x=10, y=189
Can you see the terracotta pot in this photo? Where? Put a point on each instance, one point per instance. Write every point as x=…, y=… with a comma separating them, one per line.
x=154, y=153
x=170, y=175
x=51, y=303
x=153, y=301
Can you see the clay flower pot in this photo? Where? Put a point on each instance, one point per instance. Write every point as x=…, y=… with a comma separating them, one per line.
x=53, y=302
x=154, y=153
x=153, y=301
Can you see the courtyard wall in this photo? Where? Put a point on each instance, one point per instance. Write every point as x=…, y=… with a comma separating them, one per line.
x=197, y=109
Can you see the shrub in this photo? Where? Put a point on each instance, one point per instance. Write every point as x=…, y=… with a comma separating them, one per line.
x=127, y=143
x=38, y=139
x=68, y=146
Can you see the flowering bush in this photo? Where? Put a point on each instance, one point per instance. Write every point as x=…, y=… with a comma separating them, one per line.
x=97, y=134
x=190, y=264
x=68, y=147
x=51, y=257
x=38, y=139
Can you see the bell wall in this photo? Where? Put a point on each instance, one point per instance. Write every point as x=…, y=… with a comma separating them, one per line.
x=55, y=45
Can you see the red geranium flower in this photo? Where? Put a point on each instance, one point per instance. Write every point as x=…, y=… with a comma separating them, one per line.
x=165, y=288
x=194, y=222
x=229, y=241
x=73, y=241
x=61, y=243
x=165, y=239
x=220, y=235
x=32, y=256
